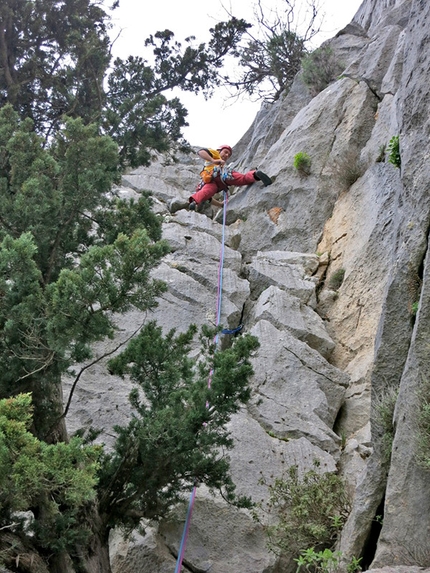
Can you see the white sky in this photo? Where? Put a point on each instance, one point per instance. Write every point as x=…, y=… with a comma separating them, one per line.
x=137, y=19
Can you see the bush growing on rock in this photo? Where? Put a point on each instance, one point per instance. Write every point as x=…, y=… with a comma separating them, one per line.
x=347, y=169
x=320, y=68
x=383, y=406
x=302, y=162
x=310, y=509
x=326, y=561
x=336, y=279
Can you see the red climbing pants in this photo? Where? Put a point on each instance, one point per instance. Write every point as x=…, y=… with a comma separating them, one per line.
x=210, y=189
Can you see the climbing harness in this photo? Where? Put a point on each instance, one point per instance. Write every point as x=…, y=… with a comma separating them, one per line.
x=210, y=172
x=218, y=319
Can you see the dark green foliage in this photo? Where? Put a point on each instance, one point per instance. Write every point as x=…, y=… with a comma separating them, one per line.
x=320, y=68
x=71, y=258
x=54, y=57
x=138, y=114
x=310, y=509
x=61, y=476
x=127, y=215
x=178, y=434
x=60, y=52
x=62, y=275
x=45, y=191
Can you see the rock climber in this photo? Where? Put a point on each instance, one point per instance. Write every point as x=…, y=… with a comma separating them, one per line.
x=215, y=177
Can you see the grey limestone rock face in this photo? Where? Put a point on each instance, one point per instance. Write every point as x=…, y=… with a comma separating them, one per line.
x=297, y=392
x=376, y=14
x=286, y=311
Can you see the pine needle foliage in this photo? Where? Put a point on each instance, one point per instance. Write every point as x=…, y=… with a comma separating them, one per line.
x=62, y=475
x=178, y=435
x=72, y=258
x=71, y=255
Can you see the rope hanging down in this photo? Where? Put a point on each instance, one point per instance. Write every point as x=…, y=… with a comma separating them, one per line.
x=218, y=319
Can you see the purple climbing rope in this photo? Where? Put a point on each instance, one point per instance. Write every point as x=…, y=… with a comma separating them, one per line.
x=218, y=319
x=185, y=532
x=220, y=277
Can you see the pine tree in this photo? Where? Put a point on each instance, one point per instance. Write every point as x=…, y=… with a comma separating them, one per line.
x=60, y=51
x=73, y=257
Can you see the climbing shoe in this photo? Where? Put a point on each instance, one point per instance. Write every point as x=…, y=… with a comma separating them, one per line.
x=192, y=205
x=177, y=204
x=260, y=176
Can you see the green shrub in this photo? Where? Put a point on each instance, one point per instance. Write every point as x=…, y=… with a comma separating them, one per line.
x=320, y=68
x=336, y=279
x=394, y=151
x=312, y=561
x=302, y=162
x=326, y=561
x=310, y=511
x=382, y=418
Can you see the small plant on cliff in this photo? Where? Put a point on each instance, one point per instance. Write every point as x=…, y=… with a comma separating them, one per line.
x=394, y=151
x=302, y=162
x=312, y=561
x=326, y=561
x=383, y=407
x=336, y=279
x=311, y=510
x=347, y=169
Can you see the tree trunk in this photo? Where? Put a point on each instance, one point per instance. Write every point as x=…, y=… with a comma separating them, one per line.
x=61, y=563
x=18, y=551
x=49, y=425
x=95, y=557
x=97, y=560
